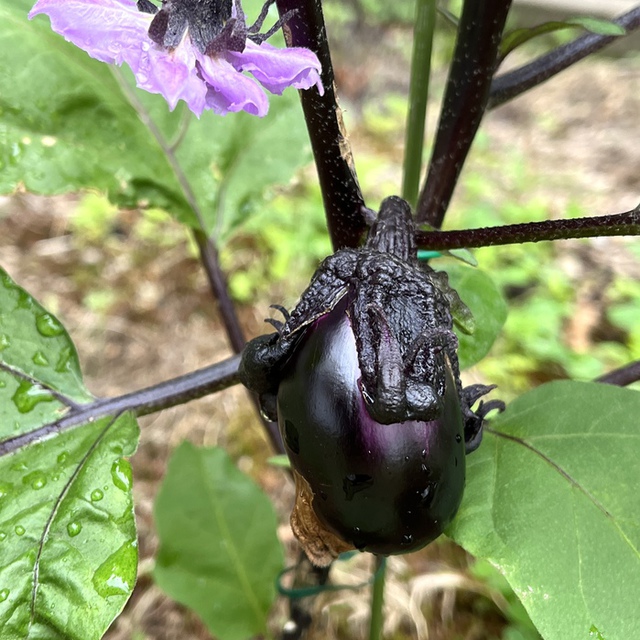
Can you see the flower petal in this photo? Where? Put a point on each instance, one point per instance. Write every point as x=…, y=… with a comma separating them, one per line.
x=277, y=69
x=105, y=29
x=174, y=75
x=229, y=90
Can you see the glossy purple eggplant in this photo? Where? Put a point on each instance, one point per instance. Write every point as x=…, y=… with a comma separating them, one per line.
x=384, y=488
x=363, y=379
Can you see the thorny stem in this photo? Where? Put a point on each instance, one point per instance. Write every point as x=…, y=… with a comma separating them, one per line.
x=418, y=96
x=343, y=201
x=509, y=85
x=620, y=224
x=466, y=95
x=167, y=394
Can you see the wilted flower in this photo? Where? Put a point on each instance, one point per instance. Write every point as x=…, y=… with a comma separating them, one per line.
x=191, y=50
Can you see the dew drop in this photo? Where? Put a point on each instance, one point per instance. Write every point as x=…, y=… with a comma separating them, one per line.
x=20, y=530
x=3, y=384
x=5, y=489
x=48, y=326
x=146, y=46
x=40, y=359
x=96, y=495
x=4, y=594
x=424, y=453
x=458, y=438
x=5, y=342
x=407, y=539
x=25, y=301
x=406, y=458
x=121, y=474
x=115, y=576
x=36, y=480
x=62, y=457
x=3, y=536
x=28, y=395
x=64, y=360
x=73, y=529
x=425, y=469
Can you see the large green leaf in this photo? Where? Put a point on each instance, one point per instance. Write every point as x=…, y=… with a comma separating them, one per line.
x=68, y=549
x=69, y=122
x=478, y=291
x=219, y=553
x=552, y=500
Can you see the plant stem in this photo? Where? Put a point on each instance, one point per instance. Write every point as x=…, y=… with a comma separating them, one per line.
x=218, y=285
x=418, y=95
x=474, y=62
x=620, y=224
x=343, y=201
x=509, y=85
x=377, y=599
x=142, y=402
x=623, y=376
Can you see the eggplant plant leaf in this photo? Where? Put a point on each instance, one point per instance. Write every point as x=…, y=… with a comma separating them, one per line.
x=68, y=547
x=489, y=309
x=219, y=553
x=552, y=500
x=69, y=122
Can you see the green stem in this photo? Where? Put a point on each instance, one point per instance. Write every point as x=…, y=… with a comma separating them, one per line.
x=418, y=95
x=377, y=599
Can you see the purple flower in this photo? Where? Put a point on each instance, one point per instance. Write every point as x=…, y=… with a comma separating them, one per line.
x=191, y=50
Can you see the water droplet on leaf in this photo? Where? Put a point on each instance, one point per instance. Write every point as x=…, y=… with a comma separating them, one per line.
x=3, y=536
x=36, y=479
x=115, y=576
x=28, y=395
x=121, y=474
x=96, y=495
x=40, y=359
x=4, y=594
x=48, y=326
x=64, y=360
x=5, y=342
x=5, y=489
x=73, y=529
x=62, y=457
x=20, y=530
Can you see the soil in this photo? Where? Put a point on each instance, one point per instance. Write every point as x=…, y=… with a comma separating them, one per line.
x=579, y=132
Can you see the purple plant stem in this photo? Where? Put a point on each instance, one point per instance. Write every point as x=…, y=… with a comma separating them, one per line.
x=465, y=100
x=509, y=85
x=623, y=376
x=343, y=201
x=145, y=401
x=619, y=224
